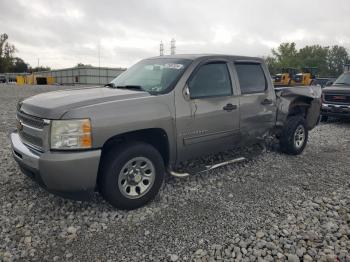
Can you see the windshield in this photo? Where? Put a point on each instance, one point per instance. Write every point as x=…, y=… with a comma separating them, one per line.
x=152, y=75
x=343, y=79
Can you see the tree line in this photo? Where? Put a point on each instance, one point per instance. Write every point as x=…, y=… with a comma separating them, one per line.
x=328, y=59
x=9, y=63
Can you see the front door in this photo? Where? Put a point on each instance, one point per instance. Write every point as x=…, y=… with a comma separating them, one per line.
x=208, y=121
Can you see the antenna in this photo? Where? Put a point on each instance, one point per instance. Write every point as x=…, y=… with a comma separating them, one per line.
x=172, y=46
x=161, y=48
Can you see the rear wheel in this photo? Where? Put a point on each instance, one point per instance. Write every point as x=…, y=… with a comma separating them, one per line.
x=131, y=175
x=294, y=136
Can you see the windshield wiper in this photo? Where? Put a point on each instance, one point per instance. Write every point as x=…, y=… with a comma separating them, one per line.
x=342, y=83
x=110, y=85
x=134, y=87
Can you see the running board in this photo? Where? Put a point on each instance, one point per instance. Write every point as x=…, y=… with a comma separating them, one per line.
x=209, y=167
x=177, y=174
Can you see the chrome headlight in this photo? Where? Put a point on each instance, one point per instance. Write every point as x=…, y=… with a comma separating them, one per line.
x=71, y=134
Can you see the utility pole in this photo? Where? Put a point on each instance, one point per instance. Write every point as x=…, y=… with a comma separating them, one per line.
x=172, y=46
x=161, y=48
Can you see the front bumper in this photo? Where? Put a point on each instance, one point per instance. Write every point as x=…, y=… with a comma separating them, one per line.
x=336, y=110
x=68, y=174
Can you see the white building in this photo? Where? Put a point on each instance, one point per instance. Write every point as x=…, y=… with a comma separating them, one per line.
x=83, y=75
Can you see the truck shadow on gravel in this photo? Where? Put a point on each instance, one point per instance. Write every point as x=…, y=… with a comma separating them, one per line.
x=37, y=194
x=337, y=121
x=250, y=153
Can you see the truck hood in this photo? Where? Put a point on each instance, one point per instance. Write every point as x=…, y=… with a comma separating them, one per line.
x=337, y=88
x=53, y=105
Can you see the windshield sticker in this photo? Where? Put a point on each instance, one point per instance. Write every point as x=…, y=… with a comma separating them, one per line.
x=174, y=66
x=160, y=67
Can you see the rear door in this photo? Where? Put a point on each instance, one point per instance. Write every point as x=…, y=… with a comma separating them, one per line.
x=257, y=100
x=207, y=120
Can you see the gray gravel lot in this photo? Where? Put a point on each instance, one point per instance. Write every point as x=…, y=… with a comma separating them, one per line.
x=270, y=207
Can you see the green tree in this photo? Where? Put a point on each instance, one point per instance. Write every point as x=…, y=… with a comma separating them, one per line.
x=286, y=55
x=83, y=65
x=19, y=66
x=272, y=65
x=314, y=56
x=328, y=60
x=337, y=57
x=6, y=54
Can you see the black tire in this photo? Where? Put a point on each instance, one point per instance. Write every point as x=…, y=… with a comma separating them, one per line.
x=324, y=118
x=111, y=170
x=288, y=142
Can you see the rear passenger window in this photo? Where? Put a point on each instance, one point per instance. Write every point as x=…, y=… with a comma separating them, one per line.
x=210, y=80
x=251, y=78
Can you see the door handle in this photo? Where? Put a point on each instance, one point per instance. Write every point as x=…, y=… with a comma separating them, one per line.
x=229, y=107
x=267, y=101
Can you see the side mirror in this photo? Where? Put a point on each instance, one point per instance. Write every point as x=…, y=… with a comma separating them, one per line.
x=186, y=93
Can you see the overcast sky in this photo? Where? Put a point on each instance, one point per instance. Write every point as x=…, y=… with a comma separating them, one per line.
x=62, y=33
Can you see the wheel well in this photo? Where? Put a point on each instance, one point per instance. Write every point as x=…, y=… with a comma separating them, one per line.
x=156, y=137
x=299, y=107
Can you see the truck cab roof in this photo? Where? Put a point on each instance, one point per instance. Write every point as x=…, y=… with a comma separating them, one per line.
x=210, y=56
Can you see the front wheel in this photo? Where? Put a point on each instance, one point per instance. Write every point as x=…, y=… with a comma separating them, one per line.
x=294, y=136
x=131, y=175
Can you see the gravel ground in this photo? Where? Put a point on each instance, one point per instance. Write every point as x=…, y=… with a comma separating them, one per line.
x=270, y=207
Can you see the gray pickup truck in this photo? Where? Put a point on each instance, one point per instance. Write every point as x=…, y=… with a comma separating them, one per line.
x=336, y=98
x=121, y=139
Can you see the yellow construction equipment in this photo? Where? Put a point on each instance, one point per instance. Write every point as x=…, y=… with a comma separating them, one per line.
x=285, y=78
x=20, y=80
x=50, y=80
x=35, y=80
x=306, y=77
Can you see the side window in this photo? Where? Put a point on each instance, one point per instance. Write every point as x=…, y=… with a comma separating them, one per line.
x=251, y=78
x=210, y=80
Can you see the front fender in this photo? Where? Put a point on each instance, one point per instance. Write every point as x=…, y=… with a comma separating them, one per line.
x=113, y=118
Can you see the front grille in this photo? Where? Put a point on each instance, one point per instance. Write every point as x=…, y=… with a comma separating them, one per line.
x=337, y=98
x=31, y=130
x=31, y=140
x=30, y=120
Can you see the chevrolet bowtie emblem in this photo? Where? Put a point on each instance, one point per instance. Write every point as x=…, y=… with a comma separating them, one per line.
x=19, y=125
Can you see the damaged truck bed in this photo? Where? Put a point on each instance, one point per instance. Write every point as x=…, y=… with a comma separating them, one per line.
x=304, y=100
